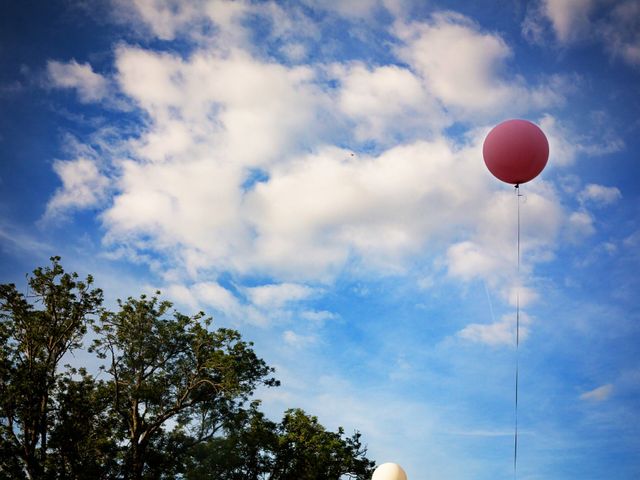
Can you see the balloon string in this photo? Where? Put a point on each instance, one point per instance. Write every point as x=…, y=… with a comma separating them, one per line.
x=515, y=438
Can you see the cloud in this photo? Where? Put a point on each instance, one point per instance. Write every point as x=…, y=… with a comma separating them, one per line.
x=90, y=86
x=490, y=252
x=164, y=18
x=216, y=296
x=262, y=305
x=83, y=186
x=565, y=21
x=301, y=173
x=364, y=99
x=580, y=224
x=598, y=394
x=278, y=295
x=521, y=295
x=464, y=67
x=209, y=295
x=16, y=239
x=599, y=195
x=568, y=22
x=499, y=333
x=218, y=102
x=468, y=260
x=566, y=145
x=194, y=154
x=347, y=8
x=296, y=340
x=221, y=23
x=236, y=169
x=181, y=188
x=318, y=316
x=633, y=240
x=620, y=32
x=336, y=207
x=569, y=18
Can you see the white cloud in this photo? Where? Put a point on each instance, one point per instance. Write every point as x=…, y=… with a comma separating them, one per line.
x=83, y=186
x=580, y=224
x=563, y=147
x=218, y=297
x=90, y=86
x=468, y=260
x=265, y=305
x=208, y=296
x=458, y=61
x=196, y=154
x=164, y=18
x=621, y=32
x=570, y=18
x=185, y=182
x=15, y=239
x=320, y=206
x=633, y=240
x=566, y=145
x=571, y=21
x=296, y=340
x=288, y=23
x=334, y=206
x=236, y=168
x=598, y=394
x=347, y=8
x=167, y=19
x=499, y=333
x=295, y=52
x=365, y=99
x=218, y=102
x=565, y=21
x=599, y=194
x=464, y=67
x=491, y=251
x=261, y=305
x=182, y=295
x=522, y=295
x=318, y=316
x=278, y=295
x=219, y=23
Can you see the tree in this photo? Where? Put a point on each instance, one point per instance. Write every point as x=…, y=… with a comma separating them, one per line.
x=243, y=451
x=307, y=451
x=32, y=344
x=297, y=448
x=83, y=438
x=172, y=369
x=172, y=399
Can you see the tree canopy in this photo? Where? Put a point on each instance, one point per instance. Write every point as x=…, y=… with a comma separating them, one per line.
x=171, y=399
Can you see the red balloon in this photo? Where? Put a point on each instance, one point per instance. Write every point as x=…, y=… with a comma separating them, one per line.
x=515, y=151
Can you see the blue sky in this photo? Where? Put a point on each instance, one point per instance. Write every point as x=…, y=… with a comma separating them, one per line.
x=311, y=174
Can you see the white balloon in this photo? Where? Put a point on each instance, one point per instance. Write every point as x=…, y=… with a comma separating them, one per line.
x=389, y=471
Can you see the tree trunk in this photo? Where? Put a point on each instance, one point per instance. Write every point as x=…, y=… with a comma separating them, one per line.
x=137, y=460
x=138, y=447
